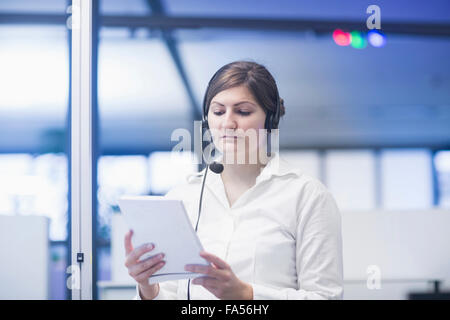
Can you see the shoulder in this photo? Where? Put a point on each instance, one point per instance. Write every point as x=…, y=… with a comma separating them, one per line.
x=309, y=191
x=312, y=186
x=302, y=181
x=316, y=204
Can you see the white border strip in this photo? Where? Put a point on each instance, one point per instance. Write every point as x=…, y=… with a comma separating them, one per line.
x=82, y=145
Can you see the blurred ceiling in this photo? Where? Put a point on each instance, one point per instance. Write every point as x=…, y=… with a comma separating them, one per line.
x=398, y=10
x=398, y=95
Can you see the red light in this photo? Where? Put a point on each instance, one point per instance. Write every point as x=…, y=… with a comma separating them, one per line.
x=342, y=38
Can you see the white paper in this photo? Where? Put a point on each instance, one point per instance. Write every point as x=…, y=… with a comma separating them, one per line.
x=166, y=224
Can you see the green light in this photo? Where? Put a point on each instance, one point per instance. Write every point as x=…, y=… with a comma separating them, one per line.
x=358, y=40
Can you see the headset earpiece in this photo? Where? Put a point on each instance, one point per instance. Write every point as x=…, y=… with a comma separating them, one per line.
x=205, y=124
x=272, y=121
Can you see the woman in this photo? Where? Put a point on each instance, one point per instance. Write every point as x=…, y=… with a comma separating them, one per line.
x=268, y=230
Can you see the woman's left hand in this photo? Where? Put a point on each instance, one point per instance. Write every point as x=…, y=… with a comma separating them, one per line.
x=220, y=280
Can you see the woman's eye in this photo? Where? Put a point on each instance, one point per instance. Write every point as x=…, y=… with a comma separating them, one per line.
x=242, y=113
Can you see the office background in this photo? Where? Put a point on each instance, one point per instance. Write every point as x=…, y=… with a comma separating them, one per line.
x=369, y=120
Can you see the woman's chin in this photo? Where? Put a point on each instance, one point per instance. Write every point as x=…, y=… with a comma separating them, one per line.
x=233, y=157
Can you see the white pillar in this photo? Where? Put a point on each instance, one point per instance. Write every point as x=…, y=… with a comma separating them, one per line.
x=81, y=147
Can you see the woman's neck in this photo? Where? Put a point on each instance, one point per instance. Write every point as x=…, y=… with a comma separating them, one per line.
x=244, y=174
x=241, y=174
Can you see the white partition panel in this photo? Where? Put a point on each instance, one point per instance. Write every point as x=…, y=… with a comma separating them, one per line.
x=410, y=248
x=407, y=248
x=24, y=252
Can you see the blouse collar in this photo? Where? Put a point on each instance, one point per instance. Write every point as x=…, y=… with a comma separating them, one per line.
x=276, y=166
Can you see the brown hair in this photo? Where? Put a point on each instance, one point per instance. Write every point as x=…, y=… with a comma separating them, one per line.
x=255, y=77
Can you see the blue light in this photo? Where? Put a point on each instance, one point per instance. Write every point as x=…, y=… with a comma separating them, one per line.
x=376, y=38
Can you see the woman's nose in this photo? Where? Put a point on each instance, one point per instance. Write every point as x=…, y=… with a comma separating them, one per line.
x=229, y=122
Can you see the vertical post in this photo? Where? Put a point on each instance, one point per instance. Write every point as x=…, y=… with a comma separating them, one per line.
x=378, y=179
x=322, y=166
x=95, y=141
x=81, y=157
x=435, y=179
x=68, y=154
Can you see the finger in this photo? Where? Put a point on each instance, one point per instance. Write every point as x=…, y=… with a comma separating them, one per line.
x=214, y=259
x=145, y=264
x=137, y=253
x=207, y=270
x=127, y=242
x=143, y=276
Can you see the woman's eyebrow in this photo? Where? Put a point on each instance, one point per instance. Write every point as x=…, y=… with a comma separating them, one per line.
x=242, y=102
x=236, y=104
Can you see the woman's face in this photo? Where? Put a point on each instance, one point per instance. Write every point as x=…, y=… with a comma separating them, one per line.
x=234, y=117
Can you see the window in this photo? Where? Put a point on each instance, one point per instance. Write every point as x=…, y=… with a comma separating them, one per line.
x=350, y=177
x=168, y=169
x=442, y=165
x=406, y=179
x=27, y=82
x=36, y=186
x=118, y=176
x=307, y=161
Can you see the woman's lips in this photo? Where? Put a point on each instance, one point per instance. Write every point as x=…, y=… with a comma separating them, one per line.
x=229, y=139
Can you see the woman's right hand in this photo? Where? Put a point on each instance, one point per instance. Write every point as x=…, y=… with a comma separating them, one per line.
x=140, y=271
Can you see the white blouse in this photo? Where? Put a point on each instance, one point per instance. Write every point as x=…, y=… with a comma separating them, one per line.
x=282, y=236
